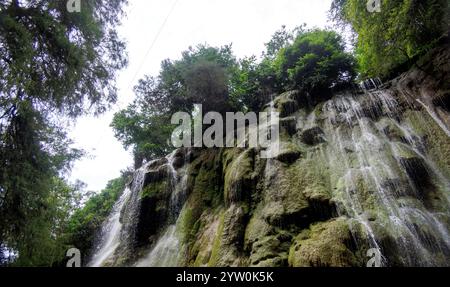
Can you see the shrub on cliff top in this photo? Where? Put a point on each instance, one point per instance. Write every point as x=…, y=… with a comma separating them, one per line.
x=315, y=62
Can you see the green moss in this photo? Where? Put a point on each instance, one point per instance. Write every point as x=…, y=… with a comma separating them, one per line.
x=207, y=185
x=318, y=110
x=271, y=250
x=437, y=142
x=204, y=243
x=286, y=103
x=323, y=245
x=256, y=228
x=217, y=243
x=205, y=196
x=188, y=222
x=238, y=179
x=311, y=177
x=154, y=189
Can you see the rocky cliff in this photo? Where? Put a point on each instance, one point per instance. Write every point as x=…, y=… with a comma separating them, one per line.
x=364, y=170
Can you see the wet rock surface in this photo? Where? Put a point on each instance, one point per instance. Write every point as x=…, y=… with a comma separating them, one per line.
x=365, y=170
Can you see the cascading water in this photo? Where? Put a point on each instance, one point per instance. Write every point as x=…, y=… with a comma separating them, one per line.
x=374, y=171
x=117, y=231
x=365, y=153
x=110, y=234
x=166, y=251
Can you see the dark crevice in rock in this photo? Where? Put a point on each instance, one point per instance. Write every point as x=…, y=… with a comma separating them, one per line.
x=289, y=157
x=313, y=136
x=417, y=172
x=443, y=101
x=289, y=124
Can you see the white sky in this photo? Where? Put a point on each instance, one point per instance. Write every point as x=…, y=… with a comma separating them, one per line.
x=247, y=24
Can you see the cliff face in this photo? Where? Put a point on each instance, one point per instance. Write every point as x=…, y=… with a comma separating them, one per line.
x=363, y=170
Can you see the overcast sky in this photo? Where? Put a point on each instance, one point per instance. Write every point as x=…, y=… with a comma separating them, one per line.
x=159, y=29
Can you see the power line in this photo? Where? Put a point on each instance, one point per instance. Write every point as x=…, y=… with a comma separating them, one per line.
x=150, y=48
x=154, y=42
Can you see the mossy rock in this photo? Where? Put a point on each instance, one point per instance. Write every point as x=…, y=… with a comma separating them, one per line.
x=327, y=244
x=436, y=141
x=206, y=243
x=289, y=156
x=391, y=130
x=239, y=179
x=289, y=125
x=155, y=190
x=286, y=104
x=271, y=251
x=256, y=229
x=313, y=136
x=229, y=239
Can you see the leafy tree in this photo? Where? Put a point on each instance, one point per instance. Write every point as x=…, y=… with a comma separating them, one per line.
x=253, y=83
x=401, y=31
x=176, y=77
x=207, y=84
x=255, y=80
x=147, y=134
x=55, y=66
x=280, y=39
x=314, y=63
x=42, y=243
x=201, y=76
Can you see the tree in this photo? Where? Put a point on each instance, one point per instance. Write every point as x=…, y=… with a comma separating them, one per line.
x=314, y=63
x=201, y=76
x=176, y=76
x=147, y=134
x=55, y=66
x=254, y=81
x=400, y=32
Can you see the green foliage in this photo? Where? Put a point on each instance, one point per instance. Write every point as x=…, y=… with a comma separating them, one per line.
x=210, y=76
x=86, y=222
x=310, y=60
x=139, y=128
x=178, y=78
x=315, y=62
x=63, y=61
x=397, y=34
x=42, y=242
x=253, y=84
x=55, y=66
x=201, y=76
x=254, y=81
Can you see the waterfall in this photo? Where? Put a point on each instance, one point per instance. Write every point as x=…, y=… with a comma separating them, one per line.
x=118, y=229
x=166, y=251
x=110, y=233
x=371, y=84
x=435, y=117
x=375, y=172
x=382, y=172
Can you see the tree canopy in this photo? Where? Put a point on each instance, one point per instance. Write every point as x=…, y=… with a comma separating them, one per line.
x=310, y=60
x=395, y=35
x=201, y=76
x=55, y=66
x=315, y=62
